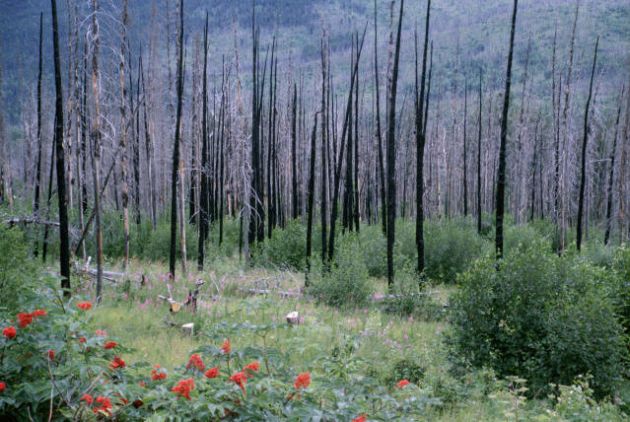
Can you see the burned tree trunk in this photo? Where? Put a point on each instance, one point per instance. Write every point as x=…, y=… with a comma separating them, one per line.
x=379, y=133
x=203, y=199
x=176, y=158
x=64, y=236
x=479, y=155
x=611, y=176
x=39, y=126
x=583, y=160
x=96, y=148
x=123, y=135
x=420, y=142
x=500, y=193
x=391, y=156
x=309, y=202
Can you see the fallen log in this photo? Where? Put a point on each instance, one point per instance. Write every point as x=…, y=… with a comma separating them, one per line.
x=29, y=220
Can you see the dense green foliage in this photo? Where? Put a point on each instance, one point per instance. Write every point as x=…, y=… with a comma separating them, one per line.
x=544, y=318
x=15, y=287
x=346, y=283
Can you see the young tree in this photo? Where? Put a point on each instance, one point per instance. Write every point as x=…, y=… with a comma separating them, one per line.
x=500, y=192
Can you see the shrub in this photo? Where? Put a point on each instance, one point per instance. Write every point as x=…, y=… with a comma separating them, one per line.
x=16, y=286
x=544, y=318
x=410, y=297
x=346, y=283
x=286, y=248
x=621, y=265
x=450, y=248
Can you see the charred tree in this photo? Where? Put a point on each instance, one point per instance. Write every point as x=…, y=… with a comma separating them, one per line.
x=391, y=156
x=64, y=235
x=39, y=125
x=420, y=141
x=176, y=158
x=580, y=216
x=611, y=175
x=501, y=180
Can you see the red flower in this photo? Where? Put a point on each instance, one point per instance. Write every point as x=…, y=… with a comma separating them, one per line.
x=212, y=372
x=137, y=403
x=84, y=306
x=240, y=379
x=117, y=363
x=82, y=339
x=24, y=319
x=101, y=333
x=252, y=367
x=303, y=380
x=3, y=386
x=9, y=332
x=110, y=345
x=51, y=354
x=226, y=347
x=402, y=384
x=88, y=399
x=195, y=360
x=105, y=405
x=360, y=418
x=39, y=312
x=157, y=374
x=184, y=387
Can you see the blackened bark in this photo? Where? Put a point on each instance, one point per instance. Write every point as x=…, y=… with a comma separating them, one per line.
x=584, y=148
x=39, y=126
x=420, y=142
x=203, y=206
x=611, y=176
x=500, y=198
x=175, y=163
x=64, y=237
x=391, y=158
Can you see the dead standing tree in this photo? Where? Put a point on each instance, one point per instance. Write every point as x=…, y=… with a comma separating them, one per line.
x=64, y=237
x=391, y=155
x=500, y=193
x=580, y=216
x=176, y=157
x=420, y=115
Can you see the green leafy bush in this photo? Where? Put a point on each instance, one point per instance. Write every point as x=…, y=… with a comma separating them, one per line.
x=450, y=248
x=16, y=284
x=286, y=249
x=346, y=283
x=411, y=298
x=544, y=318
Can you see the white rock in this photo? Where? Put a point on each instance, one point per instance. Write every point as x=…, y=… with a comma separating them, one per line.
x=293, y=318
x=189, y=328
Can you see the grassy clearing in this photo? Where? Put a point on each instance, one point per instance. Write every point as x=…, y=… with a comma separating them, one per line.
x=382, y=344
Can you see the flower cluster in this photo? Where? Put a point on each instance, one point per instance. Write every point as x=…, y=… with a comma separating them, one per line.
x=303, y=380
x=85, y=305
x=402, y=383
x=24, y=320
x=102, y=404
x=195, y=361
x=157, y=373
x=184, y=387
x=117, y=363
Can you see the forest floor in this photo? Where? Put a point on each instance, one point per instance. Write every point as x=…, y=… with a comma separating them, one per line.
x=369, y=340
